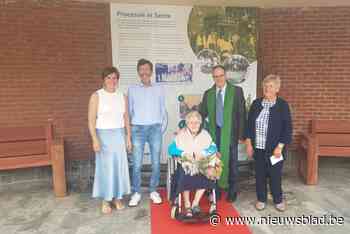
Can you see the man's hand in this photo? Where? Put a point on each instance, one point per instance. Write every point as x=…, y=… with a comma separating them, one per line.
x=128, y=145
x=96, y=146
x=249, y=148
x=250, y=151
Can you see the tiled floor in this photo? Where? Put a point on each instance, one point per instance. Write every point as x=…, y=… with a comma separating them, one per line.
x=32, y=208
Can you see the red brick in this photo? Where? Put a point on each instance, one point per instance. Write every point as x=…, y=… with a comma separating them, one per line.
x=309, y=49
x=52, y=52
x=51, y=55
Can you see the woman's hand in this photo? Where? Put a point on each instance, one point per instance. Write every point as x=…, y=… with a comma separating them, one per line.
x=128, y=145
x=96, y=146
x=277, y=152
x=188, y=156
x=198, y=156
x=249, y=148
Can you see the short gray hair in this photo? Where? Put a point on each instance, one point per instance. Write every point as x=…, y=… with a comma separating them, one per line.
x=193, y=114
x=274, y=79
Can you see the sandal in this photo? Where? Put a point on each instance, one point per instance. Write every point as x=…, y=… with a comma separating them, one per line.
x=281, y=207
x=106, y=207
x=118, y=204
x=188, y=213
x=260, y=205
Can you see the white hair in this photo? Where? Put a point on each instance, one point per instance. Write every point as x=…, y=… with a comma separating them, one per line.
x=193, y=114
x=274, y=79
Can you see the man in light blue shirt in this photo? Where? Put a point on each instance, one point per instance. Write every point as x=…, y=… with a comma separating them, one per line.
x=147, y=110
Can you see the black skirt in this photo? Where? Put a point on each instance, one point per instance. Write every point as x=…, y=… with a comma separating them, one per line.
x=187, y=182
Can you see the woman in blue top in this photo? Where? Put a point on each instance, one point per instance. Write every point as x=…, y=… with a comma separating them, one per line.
x=194, y=149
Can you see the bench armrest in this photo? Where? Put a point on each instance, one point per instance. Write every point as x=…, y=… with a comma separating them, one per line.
x=307, y=140
x=57, y=141
x=304, y=139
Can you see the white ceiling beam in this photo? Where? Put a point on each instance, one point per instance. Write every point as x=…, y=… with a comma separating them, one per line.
x=245, y=3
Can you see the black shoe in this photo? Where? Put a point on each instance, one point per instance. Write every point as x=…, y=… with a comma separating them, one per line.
x=231, y=197
x=196, y=210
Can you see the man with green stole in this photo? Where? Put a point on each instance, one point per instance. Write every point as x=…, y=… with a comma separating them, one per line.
x=224, y=107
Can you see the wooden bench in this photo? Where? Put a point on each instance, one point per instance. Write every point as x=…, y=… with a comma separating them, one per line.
x=326, y=138
x=24, y=147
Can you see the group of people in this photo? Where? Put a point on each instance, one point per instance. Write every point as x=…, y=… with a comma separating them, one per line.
x=121, y=123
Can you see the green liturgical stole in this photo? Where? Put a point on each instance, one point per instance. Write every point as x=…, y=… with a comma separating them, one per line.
x=226, y=129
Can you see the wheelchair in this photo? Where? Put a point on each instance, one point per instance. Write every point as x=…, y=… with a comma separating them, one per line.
x=175, y=197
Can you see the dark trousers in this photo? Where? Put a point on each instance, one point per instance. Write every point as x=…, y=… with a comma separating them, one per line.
x=233, y=164
x=264, y=170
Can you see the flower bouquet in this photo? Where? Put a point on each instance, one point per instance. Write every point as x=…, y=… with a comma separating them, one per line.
x=210, y=166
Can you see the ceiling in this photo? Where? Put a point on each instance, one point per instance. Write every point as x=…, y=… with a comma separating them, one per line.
x=245, y=3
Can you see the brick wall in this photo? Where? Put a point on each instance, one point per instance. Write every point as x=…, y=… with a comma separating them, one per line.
x=51, y=57
x=52, y=52
x=310, y=49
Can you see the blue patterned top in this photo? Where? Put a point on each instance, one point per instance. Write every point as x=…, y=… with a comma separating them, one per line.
x=262, y=124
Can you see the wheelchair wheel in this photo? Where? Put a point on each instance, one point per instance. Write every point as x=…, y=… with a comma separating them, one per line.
x=174, y=212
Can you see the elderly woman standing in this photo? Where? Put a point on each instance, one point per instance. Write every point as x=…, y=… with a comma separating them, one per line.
x=108, y=119
x=268, y=133
x=194, y=148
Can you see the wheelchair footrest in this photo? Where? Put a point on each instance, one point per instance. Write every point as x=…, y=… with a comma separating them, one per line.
x=198, y=218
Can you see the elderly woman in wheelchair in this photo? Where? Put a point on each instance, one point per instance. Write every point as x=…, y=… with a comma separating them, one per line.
x=198, y=163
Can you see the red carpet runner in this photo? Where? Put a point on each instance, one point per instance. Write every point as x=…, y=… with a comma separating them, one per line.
x=161, y=222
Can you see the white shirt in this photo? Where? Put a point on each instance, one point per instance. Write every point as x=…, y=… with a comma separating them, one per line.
x=111, y=109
